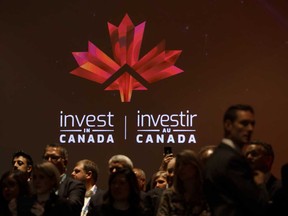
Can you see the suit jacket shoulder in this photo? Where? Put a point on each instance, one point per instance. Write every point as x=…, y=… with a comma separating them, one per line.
x=74, y=191
x=95, y=200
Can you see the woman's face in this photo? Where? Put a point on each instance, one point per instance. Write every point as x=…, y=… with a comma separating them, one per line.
x=161, y=182
x=10, y=188
x=119, y=187
x=41, y=182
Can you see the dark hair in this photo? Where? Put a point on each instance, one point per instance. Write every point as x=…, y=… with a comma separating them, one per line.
x=91, y=166
x=23, y=154
x=187, y=156
x=205, y=152
x=134, y=196
x=21, y=179
x=231, y=112
x=50, y=171
x=266, y=146
x=24, y=198
x=63, y=151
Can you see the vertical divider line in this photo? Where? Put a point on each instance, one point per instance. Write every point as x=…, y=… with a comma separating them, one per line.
x=125, y=128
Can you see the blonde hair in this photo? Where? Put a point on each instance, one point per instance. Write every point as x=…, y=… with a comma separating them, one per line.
x=157, y=175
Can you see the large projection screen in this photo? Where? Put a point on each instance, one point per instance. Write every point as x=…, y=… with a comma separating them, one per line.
x=194, y=59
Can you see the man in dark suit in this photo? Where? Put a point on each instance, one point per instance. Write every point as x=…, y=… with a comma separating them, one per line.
x=87, y=172
x=69, y=188
x=230, y=184
x=23, y=162
x=95, y=200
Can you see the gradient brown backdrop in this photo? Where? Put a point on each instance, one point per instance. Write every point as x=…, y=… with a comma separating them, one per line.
x=233, y=52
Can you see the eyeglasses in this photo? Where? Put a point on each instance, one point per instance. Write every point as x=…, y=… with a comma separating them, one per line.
x=53, y=158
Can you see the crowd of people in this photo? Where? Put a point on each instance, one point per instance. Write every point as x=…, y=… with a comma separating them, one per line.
x=230, y=179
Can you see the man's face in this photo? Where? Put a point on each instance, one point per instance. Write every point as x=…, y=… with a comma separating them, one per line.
x=79, y=173
x=257, y=157
x=240, y=131
x=20, y=163
x=53, y=155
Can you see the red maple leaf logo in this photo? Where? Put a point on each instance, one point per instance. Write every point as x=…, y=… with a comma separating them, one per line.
x=126, y=72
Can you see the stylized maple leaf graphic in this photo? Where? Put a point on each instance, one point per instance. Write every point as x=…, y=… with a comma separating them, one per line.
x=126, y=72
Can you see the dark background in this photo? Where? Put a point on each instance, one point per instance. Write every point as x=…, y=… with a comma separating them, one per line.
x=233, y=51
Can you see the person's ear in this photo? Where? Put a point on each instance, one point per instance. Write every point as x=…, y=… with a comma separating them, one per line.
x=228, y=125
x=29, y=168
x=88, y=175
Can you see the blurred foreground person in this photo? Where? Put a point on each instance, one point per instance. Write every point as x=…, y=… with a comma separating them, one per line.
x=15, y=194
x=186, y=196
x=229, y=179
x=115, y=163
x=122, y=197
x=45, y=181
x=205, y=152
x=158, y=185
x=280, y=200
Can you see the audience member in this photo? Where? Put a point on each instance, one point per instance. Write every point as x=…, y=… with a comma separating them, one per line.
x=261, y=157
x=205, y=152
x=115, y=163
x=45, y=181
x=22, y=161
x=122, y=197
x=119, y=161
x=141, y=177
x=170, y=171
x=159, y=180
x=186, y=196
x=281, y=196
x=229, y=184
x=15, y=194
x=87, y=172
x=69, y=188
x=166, y=159
x=158, y=183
